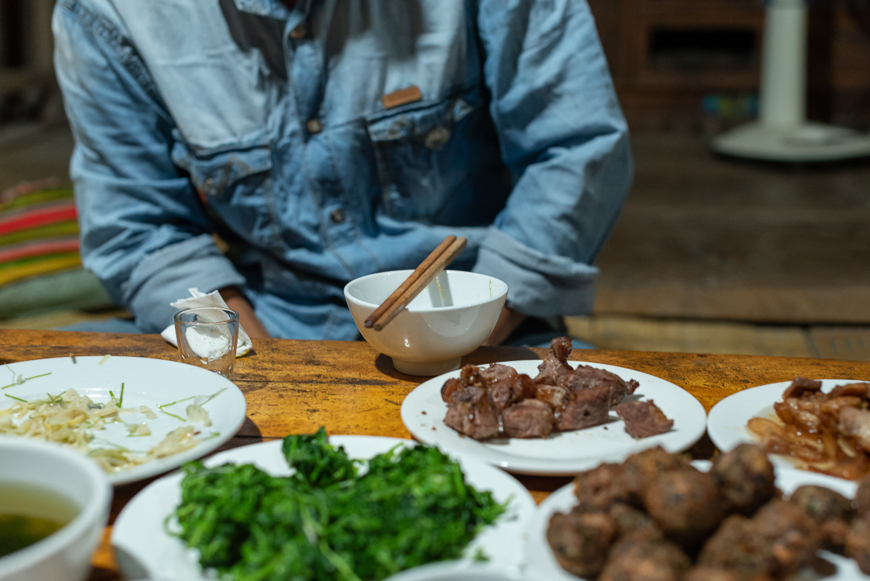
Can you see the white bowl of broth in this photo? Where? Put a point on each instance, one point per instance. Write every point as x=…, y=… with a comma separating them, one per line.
x=54, y=505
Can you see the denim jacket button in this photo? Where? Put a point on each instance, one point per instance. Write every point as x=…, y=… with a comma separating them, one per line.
x=314, y=126
x=300, y=32
x=337, y=216
x=437, y=137
x=208, y=185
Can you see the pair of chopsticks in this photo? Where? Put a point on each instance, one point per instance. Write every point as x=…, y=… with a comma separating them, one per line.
x=419, y=279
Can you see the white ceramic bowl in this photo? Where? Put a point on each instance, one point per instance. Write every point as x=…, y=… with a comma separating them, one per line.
x=450, y=318
x=66, y=554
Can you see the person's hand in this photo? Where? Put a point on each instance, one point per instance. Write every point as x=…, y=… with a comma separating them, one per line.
x=507, y=323
x=247, y=318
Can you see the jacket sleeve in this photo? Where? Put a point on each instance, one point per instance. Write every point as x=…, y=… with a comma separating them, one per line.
x=563, y=136
x=142, y=230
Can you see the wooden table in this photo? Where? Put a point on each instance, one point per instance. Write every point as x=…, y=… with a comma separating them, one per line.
x=298, y=386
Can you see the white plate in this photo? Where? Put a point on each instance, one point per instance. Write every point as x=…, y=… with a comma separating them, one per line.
x=726, y=423
x=563, y=453
x=149, y=382
x=143, y=549
x=457, y=571
x=543, y=565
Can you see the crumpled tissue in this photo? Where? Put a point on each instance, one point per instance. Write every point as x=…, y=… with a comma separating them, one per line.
x=201, y=299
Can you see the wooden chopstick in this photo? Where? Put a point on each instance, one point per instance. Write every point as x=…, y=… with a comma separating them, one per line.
x=419, y=279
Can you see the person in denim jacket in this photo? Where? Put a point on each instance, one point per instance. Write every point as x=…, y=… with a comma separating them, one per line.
x=276, y=150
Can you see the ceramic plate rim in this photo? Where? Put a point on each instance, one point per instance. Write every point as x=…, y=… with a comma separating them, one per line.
x=232, y=400
x=126, y=531
x=457, y=571
x=421, y=427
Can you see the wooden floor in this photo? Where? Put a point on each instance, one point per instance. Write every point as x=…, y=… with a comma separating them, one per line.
x=708, y=256
x=725, y=256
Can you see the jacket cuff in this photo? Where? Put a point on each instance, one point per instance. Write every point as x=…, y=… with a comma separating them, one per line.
x=539, y=285
x=166, y=275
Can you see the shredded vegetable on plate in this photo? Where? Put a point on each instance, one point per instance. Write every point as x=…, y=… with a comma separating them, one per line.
x=74, y=419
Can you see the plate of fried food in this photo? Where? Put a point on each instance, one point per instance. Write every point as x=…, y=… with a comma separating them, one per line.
x=736, y=518
x=551, y=417
x=818, y=425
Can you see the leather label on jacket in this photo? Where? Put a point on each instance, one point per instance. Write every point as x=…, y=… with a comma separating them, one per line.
x=402, y=97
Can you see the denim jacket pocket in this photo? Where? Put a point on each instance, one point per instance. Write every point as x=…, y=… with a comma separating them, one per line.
x=214, y=171
x=420, y=150
x=235, y=184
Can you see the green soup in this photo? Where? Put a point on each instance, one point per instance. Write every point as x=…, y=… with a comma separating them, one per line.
x=29, y=514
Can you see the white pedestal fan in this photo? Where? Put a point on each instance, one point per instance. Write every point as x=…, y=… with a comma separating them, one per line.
x=782, y=132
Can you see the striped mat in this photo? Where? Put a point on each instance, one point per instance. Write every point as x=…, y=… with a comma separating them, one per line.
x=38, y=231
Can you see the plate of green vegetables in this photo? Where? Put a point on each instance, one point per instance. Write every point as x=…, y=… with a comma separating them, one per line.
x=345, y=508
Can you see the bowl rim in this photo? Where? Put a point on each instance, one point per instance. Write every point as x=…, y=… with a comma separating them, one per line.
x=95, y=509
x=495, y=297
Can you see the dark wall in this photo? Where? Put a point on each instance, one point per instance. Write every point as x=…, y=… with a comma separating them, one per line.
x=11, y=33
x=690, y=62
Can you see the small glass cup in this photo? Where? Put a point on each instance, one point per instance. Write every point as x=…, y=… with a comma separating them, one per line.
x=207, y=337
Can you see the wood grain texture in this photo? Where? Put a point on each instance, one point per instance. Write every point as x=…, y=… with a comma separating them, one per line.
x=297, y=386
x=703, y=238
x=623, y=332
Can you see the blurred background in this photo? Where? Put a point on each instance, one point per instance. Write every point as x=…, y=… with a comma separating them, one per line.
x=713, y=253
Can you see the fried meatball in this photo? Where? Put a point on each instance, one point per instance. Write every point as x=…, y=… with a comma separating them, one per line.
x=686, y=504
x=831, y=511
x=639, y=470
x=791, y=533
x=745, y=479
x=739, y=547
x=858, y=542
x=701, y=573
x=641, y=557
x=630, y=520
x=600, y=487
x=862, y=496
x=581, y=541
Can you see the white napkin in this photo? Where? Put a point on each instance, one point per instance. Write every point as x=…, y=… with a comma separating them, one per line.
x=200, y=299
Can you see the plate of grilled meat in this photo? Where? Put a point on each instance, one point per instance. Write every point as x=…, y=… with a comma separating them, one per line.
x=552, y=416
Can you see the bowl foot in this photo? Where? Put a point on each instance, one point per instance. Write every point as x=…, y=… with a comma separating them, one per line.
x=428, y=368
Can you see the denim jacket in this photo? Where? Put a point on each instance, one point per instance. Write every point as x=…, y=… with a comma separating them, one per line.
x=268, y=128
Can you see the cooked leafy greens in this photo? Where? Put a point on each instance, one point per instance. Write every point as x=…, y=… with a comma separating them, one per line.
x=316, y=462
x=325, y=522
